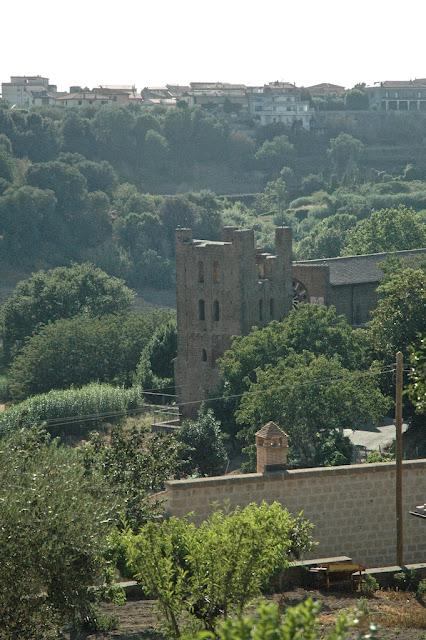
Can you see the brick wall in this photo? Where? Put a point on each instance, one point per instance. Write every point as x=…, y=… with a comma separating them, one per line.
x=352, y=507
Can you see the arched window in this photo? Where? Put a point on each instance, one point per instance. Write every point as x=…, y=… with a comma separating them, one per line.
x=201, y=310
x=201, y=271
x=215, y=271
x=261, y=310
x=271, y=308
x=204, y=355
x=216, y=311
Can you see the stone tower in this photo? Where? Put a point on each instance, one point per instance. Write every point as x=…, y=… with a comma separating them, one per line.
x=223, y=289
x=271, y=448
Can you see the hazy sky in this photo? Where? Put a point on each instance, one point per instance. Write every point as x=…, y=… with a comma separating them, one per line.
x=151, y=42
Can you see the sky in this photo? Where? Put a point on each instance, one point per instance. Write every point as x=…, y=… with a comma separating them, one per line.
x=153, y=42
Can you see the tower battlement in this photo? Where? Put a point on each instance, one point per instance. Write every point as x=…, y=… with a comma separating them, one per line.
x=223, y=289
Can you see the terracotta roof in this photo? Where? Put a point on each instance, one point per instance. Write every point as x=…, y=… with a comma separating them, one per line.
x=271, y=430
x=359, y=269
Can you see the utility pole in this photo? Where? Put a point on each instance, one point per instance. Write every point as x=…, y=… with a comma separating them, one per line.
x=398, y=459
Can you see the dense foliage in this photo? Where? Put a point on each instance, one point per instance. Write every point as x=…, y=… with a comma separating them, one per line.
x=201, y=573
x=134, y=463
x=59, y=293
x=53, y=534
x=203, y=443
x=76, y=351
x=313, y=398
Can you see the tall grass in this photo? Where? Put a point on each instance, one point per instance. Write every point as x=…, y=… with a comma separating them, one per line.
x=72, y=411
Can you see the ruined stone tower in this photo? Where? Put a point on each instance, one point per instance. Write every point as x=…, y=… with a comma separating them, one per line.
x=223, y=290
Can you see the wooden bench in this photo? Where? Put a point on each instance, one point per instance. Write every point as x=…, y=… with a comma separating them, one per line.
x=338, y=573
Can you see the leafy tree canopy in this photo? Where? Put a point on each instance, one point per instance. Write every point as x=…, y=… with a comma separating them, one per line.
x=312, y=398
x=311, y=328
x=53, y=535
x=60, y=293
x=82, y=349
x=386, y=230
x=417, y=387
x=204, y=445
x=400, y=314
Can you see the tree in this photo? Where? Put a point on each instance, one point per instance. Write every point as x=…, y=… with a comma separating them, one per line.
x=27, y=216
x=345, y=152
x=386, y=230
x=417, y=387
x=313, y=328
x=54, y=525
x=155, y=367
x=327, y=237
x=275, y=154
x=200, y=573
x=356, y=99
x=66, y=182
x=134, y=464
x=156, y=151
x=297, y=623
x=204, y=447
x=82, y=349
x=100, y=176
x=313, y=398
x=60, y=293
x=6, y=164
x=400, y=313
x=273, y=200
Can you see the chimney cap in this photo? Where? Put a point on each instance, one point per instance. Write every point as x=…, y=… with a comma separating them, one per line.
x=271, y=430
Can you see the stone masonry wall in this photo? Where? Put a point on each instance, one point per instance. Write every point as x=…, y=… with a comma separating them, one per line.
x=352, y=507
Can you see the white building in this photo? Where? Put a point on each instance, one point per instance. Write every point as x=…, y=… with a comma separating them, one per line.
x=29, y=91
x=279, y=102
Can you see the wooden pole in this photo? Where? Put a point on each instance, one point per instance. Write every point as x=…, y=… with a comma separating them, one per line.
x=398, y=459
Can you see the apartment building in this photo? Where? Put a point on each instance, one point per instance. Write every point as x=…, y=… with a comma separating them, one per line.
x=279, y=102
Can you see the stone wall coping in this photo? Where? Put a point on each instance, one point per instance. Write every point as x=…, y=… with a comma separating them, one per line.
x=344, y=470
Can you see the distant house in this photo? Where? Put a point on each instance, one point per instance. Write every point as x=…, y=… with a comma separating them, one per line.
x=101, y=95
x=325, y=89
x=348, y=282
x=398, y=95
x=217, y=95
x=29, y=91
x=279, y=102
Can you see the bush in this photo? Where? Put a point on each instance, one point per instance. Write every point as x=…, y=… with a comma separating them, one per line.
x=369, y=585
x=201, y=573
x=421, y=589
x=204, y=447
x=4, y=389
x=407, y=580
x=54, y=527
x=80, y=350
x=72, y=410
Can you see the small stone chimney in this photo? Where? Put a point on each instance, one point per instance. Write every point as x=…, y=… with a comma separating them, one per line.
x=271, y=448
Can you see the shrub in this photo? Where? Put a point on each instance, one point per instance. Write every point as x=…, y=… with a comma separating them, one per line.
x=72, y=410
x=54, y=526
x=204, y=447
x=407, y=580
x=369, y=585
x=200, y=573
x=421, y=589
x=4, y=389
x=378, y=456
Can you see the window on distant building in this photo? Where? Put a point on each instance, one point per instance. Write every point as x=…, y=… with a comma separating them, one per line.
x=201, y=310
x=216, y=311
x=215, y=271
x=271, y=308
x=204, y=355
x=201, y=271
x=260, y=310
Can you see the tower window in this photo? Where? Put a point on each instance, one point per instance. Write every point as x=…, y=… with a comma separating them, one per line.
x=204, y=355
x=271, y=308
x=201, y=310
x=216, y=311
x=201, y=271
x=261, y=310
x=215, y=271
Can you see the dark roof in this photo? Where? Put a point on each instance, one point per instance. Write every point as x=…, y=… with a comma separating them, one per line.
x=359, y=269
x=271, y=430
x=420, y=82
